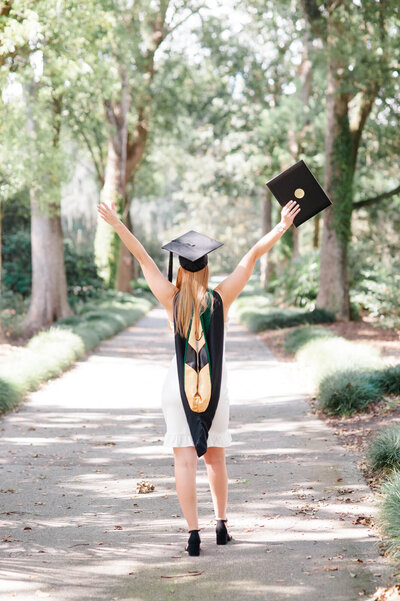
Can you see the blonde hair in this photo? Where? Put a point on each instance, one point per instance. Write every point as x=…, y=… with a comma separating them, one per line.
x=192, y=295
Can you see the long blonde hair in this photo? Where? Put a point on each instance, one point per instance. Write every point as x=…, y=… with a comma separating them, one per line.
x=192, y=294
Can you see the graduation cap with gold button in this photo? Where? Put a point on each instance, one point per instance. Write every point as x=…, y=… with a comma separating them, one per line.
x=193, y=249
x=299, y=184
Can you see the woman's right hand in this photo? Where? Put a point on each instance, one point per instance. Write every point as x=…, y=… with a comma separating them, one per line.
x=289, y=212
x=109, y=214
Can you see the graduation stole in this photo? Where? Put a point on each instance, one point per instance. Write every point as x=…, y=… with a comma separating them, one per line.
x=199, y=363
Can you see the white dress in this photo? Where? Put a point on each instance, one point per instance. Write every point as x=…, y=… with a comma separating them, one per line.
x=178, y=433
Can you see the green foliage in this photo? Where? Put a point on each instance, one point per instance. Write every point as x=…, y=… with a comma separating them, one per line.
x=383, y=451
x=9, y=395
x=346, y=391
x=82, y=278
x=389, y=379
x=17, y=264
x=376, y=289
x=297, y=338
x=52, y=351
x=13, y=309
x=322, y=357
x=388, y=518
x=140, y=285
x=298, y=283
x=81, y=272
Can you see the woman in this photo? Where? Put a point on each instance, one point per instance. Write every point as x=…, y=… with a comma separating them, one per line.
x=193, y=284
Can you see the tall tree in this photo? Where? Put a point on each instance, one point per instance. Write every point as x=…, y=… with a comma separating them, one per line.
x=28, y=43
x=139, y=31
x=357, y=41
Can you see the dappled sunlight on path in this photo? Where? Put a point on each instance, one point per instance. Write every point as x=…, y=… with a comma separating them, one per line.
x=74, y=528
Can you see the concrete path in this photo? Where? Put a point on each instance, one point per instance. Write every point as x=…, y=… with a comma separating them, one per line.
x=73, y=527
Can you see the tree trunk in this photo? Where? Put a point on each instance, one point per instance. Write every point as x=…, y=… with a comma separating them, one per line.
x=49, y=300
x=107, y=242
x=126, y=260
x=125, y=151
x=316, y=231
x=266, y=263
x=112, y=257
x=333, y=291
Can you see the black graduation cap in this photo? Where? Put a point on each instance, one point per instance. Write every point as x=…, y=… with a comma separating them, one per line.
x=192, y=249
x=299, y=184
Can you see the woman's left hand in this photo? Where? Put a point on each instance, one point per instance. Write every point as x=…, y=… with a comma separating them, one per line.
x=109, y=214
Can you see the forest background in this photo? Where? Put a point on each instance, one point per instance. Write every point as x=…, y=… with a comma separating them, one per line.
x=180, y=111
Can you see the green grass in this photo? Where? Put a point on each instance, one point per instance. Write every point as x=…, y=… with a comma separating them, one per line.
x=51, y=351
x=388, y=517
x=297, y=338
x=383, y=453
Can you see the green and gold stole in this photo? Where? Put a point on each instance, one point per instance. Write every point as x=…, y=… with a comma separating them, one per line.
x=199, y=365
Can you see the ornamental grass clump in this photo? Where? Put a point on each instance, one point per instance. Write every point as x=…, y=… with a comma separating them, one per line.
x=388, y=516
x=383, y=452
x=347, y=391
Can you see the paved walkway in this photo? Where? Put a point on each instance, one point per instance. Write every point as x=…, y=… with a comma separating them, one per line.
x=74, y=529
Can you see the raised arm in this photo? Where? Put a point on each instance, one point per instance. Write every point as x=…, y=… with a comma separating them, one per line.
x=231, y=287
x=160, y=286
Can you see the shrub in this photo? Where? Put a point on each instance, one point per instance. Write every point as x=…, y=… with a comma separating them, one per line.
x=298, y=282
x=388, y=517
x=347, y=391
x=389, y=379
x=297, y=338
x=17, y=268
x=383, y=452
x=9, y=395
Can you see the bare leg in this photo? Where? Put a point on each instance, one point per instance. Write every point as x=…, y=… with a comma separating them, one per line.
x=185, y=480
x=218, y=478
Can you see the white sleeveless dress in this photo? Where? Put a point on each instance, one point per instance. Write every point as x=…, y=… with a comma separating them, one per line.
x=178, y=433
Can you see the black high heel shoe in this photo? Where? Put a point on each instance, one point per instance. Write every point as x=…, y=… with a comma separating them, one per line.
x=193, y=546
x=222, y=534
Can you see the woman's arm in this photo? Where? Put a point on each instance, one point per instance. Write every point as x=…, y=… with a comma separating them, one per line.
x=160, y=286
x=231, y=287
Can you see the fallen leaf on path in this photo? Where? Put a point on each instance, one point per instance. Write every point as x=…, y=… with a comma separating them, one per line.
x=9, y=539
x=363, y=519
